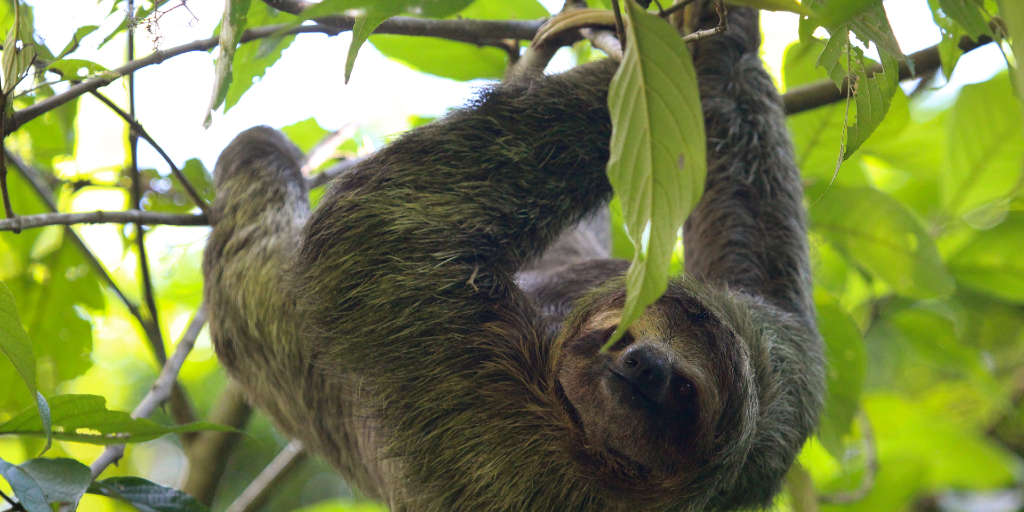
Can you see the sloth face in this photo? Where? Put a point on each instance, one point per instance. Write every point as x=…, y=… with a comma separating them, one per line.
x=654, y=398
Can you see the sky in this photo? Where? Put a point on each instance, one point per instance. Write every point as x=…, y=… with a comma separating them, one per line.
x=308, y=80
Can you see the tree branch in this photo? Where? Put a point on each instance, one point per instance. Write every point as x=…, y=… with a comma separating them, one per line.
x=253, y=497
x=140, y=131
x=825, y=92
x=328, y=174
x=468, y=31
x=103, y=217
x=161, y=390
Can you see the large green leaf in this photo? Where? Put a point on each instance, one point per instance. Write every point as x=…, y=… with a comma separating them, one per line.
x=86, y=419
x=457, y=60
x=658, y=151
x=847, y=362
x=993, y=261
x=986, y=155
x=146, y=496
x=63, y=481
x=878, y=233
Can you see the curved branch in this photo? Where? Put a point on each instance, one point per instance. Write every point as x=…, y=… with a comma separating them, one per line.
x=161, y=390
x=253, y=497
x=102, y=217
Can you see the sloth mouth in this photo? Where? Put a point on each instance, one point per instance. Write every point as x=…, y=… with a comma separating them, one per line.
x=629, y=393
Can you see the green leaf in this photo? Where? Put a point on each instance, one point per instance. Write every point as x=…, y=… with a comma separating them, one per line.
x=29, y=493
x=305, y=134
x=658, y=151
x=993, y=262
x=76, y=69
x=253, y=59
x=454, y=59
x=86, y=419
x=232, y=26
x=878, y=233
x=145, y=495
x=1012, y=13
x=363, y=27
x=63, y=481
x=16, y=345
x=343, y=505
x=19, y=50
x=76, y=39
x=986, y=156
x=968, y=14
x=847, y=364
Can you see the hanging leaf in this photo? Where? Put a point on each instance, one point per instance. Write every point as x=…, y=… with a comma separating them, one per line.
x=253, y=59
x=63, y=481
x=363, y=27
x=232, y=26
x=16, y=345
x=86, y=419
x=145, y=495
x=658, y=151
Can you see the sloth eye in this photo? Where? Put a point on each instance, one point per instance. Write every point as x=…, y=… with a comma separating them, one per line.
x=686, y=389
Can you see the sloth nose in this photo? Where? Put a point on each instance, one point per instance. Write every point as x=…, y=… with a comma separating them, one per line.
x=647, y=369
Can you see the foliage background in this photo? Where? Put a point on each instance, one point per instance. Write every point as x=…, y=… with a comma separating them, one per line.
x=918, y=246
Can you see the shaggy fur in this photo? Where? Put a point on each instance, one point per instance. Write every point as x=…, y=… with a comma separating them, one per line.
x=392, y=337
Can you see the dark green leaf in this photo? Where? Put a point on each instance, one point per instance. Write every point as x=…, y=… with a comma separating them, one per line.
x=26, y=489
x=878, y=233
x=968, y=14
x=658, y=151
x=86, y=419
x=16, y=345
x=63, y=481
x=145, y=495
x=847, y=362
x=363, y=27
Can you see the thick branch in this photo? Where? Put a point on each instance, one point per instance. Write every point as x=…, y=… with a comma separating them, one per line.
x=825, y=92
x=102, y=217
x=161, y=390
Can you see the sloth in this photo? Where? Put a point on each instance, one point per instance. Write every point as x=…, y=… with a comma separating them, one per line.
x=413, y=333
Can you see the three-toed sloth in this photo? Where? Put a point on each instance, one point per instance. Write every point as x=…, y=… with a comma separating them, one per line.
x=387, y=329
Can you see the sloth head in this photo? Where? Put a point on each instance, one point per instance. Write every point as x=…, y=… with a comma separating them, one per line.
x=670, y=401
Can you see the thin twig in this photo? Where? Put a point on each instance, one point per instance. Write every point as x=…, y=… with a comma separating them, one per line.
x=103, y=217
x=328, y=174
x=620, y=28
x=870, y=468
x=723, y=25
x=161, y=390
x=10, y=501
x=8, y=209
x=484, y=32
x=253, y=497
x=140, y=131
